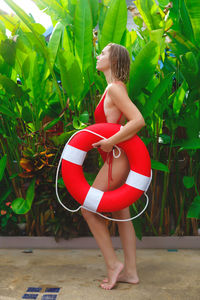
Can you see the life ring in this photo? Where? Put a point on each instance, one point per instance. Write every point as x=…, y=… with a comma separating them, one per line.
x=137, y=181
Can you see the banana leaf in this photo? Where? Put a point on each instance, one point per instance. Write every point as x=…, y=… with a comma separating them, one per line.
x=54, y=41
x=57, y=10
x=151, y=13
x=83, y=33
x=185, y=22
x=193, y=7
x=8, y=51
x=94, y=4
x=10, y=87
x=2, y=29
x=143, y=68
x=180, y=44
x=71, y=76
x=163, y=3
x=114, y=23
x=179, y=97
x=6, y=111
x=189, y=66
x=37, y=39
x=157, y=93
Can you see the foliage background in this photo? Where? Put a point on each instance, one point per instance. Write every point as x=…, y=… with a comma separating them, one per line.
x=49, y=89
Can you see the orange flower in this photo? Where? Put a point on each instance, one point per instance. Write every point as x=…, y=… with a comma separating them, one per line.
x=8, y=203
x=3, y=212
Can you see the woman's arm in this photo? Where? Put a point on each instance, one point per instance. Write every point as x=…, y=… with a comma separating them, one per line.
x=135, y=120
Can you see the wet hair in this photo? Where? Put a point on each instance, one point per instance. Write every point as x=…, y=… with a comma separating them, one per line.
x=120, y=61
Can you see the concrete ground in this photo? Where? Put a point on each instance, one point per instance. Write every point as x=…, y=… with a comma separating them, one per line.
x=164, y=275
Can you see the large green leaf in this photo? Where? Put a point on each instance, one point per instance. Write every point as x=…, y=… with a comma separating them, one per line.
x=39, y=41
x=22, y=206
x=6, y=111
x=8, y=51
x=194, y=210
x=157, y=36
x=71, y=76
x=188, y=181
x=2, y=29
x=193, y=7
x=157, y=93
x=189, y=66
x=157, y=165
x=62, y=138
x=38, y=77
x=114, y=23
x=83, y=24
x=143, y=68
x=10, y=87
x=151, y=14
x=36, y=37
x=179, y=97
x=54, y=41
x=3, y=162
x=180, y=44
x=28, y=21
x=57, y=10
x=163, y=3
x=190, y=144
x=94, y=4
x=185, y=22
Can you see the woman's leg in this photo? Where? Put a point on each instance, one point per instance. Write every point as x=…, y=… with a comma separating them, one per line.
x=100, y=231
x=101, y=234
x=128, y=239
x=126, y=229
x=97, y=225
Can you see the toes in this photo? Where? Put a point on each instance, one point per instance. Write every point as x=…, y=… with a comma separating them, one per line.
x=106, y=286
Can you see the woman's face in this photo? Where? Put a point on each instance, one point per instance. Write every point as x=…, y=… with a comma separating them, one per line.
x=103, y=60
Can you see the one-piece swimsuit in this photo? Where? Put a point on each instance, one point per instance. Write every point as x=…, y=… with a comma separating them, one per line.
x=100, y=117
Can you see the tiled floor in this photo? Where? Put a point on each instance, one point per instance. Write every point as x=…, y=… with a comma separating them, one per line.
x=77, y=274
x=41, y=293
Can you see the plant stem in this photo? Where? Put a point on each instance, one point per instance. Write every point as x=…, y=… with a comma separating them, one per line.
x=166, y=182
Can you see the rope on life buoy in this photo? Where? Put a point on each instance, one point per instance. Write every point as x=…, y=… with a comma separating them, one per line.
x=81, y=206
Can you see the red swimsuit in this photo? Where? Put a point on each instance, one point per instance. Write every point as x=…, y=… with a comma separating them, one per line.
x=100, y=117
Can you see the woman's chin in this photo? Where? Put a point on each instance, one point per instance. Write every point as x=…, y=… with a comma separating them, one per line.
x=98, y=68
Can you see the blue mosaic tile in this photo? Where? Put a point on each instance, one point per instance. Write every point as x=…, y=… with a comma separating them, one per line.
x=34, y=289
x=30, y=296
x=52, y=290
x=49, y=297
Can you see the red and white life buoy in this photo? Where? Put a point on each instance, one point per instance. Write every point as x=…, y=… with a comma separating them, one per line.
x=137, y=181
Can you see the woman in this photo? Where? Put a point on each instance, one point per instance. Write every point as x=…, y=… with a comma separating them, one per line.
x=114, y=107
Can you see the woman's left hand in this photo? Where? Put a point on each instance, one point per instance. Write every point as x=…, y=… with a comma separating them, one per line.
x=105, y=145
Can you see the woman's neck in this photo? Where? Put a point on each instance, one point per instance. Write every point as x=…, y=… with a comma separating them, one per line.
x=109, y=77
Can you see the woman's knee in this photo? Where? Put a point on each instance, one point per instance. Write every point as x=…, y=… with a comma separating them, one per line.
x=121, y=214
x=86, y=214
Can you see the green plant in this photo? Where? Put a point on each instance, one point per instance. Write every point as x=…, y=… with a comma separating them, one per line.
x=49, y=89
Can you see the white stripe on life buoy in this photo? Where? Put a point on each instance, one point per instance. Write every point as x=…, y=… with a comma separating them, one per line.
x=137, y=180
x=93, y=199
x=74, y=155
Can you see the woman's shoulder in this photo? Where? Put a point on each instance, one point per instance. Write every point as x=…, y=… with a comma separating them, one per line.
x=116, y=87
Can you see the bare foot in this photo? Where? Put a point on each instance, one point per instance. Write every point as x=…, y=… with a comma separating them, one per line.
x=128, y=278
x=112, y=276
x=123, y=277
